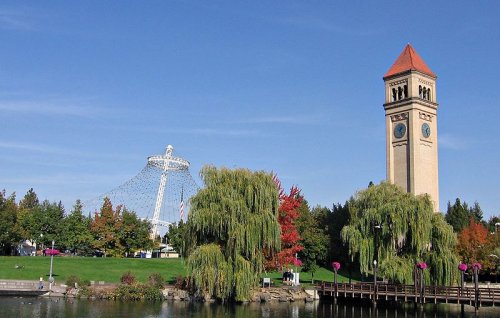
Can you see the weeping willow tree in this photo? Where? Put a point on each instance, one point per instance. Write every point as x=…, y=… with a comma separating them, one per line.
x=232, y=222
x=399, y=230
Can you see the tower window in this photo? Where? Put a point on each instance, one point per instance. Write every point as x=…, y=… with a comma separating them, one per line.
x=400, y=93
x=428, y=94
x=424, y=96
x=394, y=94
x=405, y=91
x=420, y=91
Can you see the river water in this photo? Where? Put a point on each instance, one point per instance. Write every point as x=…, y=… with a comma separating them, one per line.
x=59, y=307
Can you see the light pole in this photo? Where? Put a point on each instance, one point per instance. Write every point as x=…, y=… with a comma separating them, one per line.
x=376, y=229
x=51, y=279
x=41, y=243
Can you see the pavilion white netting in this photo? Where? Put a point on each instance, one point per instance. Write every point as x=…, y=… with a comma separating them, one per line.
x=155, y=193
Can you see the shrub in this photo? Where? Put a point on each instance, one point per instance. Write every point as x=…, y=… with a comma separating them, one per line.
x=128, y=292
x=72, y=280
x=86, y=292
x=151, y=293
x=156, y=280
x=138, y=292
x=128, y=278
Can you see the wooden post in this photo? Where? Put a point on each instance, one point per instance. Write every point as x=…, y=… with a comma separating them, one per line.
x=476, y=287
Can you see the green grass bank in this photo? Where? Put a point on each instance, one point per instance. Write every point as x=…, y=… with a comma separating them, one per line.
x=111, y=269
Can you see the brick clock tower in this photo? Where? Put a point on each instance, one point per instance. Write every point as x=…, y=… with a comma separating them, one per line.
x=411, y=126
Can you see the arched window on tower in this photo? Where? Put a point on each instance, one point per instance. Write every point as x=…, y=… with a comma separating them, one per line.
x=400, y=93
x=394, y=94
x=424, y=96
x=420, y=91
x=405, y=91
x=428, y=94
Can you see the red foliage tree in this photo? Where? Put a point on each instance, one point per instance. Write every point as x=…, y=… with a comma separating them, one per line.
x=287, y=214
x=472, y=242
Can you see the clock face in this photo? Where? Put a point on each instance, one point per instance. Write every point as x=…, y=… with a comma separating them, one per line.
x=399, y=130
x=426, y=130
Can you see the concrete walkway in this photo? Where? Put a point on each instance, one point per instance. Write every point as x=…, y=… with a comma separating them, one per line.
x=11, y=287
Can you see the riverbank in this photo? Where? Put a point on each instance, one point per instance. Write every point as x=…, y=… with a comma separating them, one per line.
x=101, y=290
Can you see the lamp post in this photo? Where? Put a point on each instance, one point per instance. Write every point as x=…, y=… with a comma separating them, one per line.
x=376, y=229
x=51, y=279
x=336, y=267
x=462, y=268
x=41, y=243
x=476, y=267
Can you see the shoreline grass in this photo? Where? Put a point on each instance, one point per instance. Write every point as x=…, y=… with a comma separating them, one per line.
x=110, y=270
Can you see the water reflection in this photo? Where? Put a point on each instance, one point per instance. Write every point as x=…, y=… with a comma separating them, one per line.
x=43, y=307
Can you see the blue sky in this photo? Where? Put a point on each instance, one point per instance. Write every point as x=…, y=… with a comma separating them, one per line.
x=89, y=89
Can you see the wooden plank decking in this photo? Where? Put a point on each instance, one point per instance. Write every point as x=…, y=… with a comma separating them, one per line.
x=408, y=293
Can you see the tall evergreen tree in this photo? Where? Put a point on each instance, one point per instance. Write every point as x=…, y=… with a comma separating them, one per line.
x=29, y=201
x=232, y=221
x=459, y=214
x=338, y=218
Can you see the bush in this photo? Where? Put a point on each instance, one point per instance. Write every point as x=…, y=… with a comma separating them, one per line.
x=128, y=292
x=72, y=280
x=138, y=292
x=128, y=278
x=156, y=280
x=152, y=293
x=86, y=292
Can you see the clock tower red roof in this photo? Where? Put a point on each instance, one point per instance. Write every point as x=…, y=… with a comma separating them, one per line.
x=409, y=60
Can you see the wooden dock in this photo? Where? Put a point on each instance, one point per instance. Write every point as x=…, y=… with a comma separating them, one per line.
x=409, y=293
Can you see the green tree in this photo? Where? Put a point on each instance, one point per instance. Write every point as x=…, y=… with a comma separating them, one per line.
x=232, y=221
x=314, y=239
x=459, y=214
x=9, y=235
x=134, y=233
x=42, y=223
x=75, y=231
x=29, y=201
x=493, y=224
x=399, y=229
x=339, y=218
x=175, y=235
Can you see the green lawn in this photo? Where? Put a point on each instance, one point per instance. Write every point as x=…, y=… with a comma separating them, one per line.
x=111, y=269
x=305, y=278
x=89, y=268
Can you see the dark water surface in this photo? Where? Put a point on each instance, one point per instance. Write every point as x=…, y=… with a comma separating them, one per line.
x=58, y=307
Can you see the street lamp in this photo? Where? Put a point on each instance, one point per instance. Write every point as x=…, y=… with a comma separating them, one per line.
x=51, y=279
x=376, y=229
